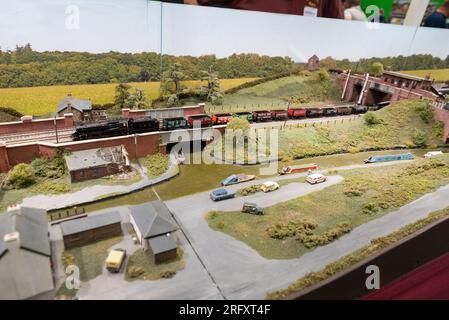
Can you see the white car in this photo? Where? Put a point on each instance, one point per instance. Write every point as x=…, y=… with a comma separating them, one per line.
x=269, y=186
x=432, y=154
x=316, y=178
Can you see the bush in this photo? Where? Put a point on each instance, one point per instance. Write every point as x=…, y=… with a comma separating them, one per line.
x=22, y=175
x=249, y=190
x=297, y=229
x=51, y=187
x=167, y=274
x=371, y=119
x=439, y=130
x=425, y=113
x=156, y=164
x=220, y=225
x=419, y=138
x=134, y=272
x=370, y=208
x=311, y=241
x=409, y=144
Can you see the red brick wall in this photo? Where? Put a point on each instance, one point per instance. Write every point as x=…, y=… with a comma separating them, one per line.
x=196, y=110
x=36, y=125
x=12, y=155
x=443, y=116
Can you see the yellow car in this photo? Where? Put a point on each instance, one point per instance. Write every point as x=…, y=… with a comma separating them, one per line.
x=269, y=186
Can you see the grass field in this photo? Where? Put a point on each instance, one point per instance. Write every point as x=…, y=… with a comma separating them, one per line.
x=437, y=74
x=364, y=195
x=44, y=100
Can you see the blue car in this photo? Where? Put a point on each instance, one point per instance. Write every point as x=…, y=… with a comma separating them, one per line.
x=221, y=194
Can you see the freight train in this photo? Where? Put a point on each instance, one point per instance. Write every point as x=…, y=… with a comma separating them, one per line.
x=119, y=127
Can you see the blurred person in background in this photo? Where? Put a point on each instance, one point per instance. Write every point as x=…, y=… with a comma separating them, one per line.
x=438, y=19
x=323, y=8
x=353, y=11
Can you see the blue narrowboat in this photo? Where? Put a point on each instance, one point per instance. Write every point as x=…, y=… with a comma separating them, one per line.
x=396, y=157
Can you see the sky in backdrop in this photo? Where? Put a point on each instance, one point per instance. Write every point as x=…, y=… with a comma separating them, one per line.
x=137, y=26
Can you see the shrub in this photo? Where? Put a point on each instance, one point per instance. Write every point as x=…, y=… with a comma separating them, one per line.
x=425, y=113
x=51, y=187
x=409, y=144
x=298, y=229
x=220, y=225
x=134, y=272
x=22, y=175
x=167, y=274
x=439, y=130
x=354, y=150
x=371, y=119
x=370, y=208
x=156, y=164
x=311, y=241
x=249, y=190
x=419, y=138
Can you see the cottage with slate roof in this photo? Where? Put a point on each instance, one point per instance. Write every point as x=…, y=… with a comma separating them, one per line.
x=155, y=230
x=25, y=256
x=81, y=109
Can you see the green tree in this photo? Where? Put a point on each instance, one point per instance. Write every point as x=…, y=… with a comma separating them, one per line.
x=328, y=63
x=22, y=175
x=121, y=95
x=214, y=92
x=137, y=100
x=171, y=85
x=377, y=69
x=419, y=138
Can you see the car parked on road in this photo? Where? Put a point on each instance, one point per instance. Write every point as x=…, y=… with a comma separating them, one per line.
x=115, y=260
x=252, y=208
x=432, y=154
x=316, y=178
x=269, y=186
x=221, y=194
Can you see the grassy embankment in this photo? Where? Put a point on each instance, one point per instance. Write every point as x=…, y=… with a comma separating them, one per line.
x=357, y=256
x=44, y=100
x=305, y=89
x=364, y=195
x=439, y=75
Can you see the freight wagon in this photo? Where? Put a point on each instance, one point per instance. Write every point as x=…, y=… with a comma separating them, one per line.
x=279, y=115
x=203, y=120
x=295, y=113
x=170, y=124
x=142, y=125
x=344, y=111
x=243, y=115
x=314, y=112
x=329, y=112
x=261, y=115
x=221, y=118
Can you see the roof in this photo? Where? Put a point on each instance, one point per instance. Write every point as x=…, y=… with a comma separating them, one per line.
x=269, y=183
x=316, y=176
x=405, y=76
x=91, y=222
x=32, y=226
x=162, y=243
x=153, y=219
x=90, y=158
x=78, y=104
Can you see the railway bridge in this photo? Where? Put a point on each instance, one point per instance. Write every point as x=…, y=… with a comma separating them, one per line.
x=392, y=86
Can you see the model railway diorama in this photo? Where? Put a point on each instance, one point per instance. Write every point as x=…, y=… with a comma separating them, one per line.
x=123, y=126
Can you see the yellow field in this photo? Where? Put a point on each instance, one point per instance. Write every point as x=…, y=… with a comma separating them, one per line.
x=44, y=100
x=437, y=74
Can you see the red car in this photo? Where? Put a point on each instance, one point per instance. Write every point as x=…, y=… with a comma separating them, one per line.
x=203, y=119
x=279, y=115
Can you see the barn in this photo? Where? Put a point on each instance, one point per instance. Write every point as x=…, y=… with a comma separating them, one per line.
x=155, y=230
x=83, y=231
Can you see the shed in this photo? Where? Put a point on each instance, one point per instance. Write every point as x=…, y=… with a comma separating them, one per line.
x=155, y=230
x=83, y=231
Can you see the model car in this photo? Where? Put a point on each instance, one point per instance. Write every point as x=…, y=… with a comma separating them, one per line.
x=316, y=178
x=221, y=194
x=252, y=208
x=269, y=186
x=432, y=154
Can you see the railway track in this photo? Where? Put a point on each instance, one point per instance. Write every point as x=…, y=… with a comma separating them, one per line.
x=64, y=135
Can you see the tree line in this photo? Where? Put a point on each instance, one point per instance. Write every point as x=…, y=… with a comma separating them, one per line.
x=24, y=67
